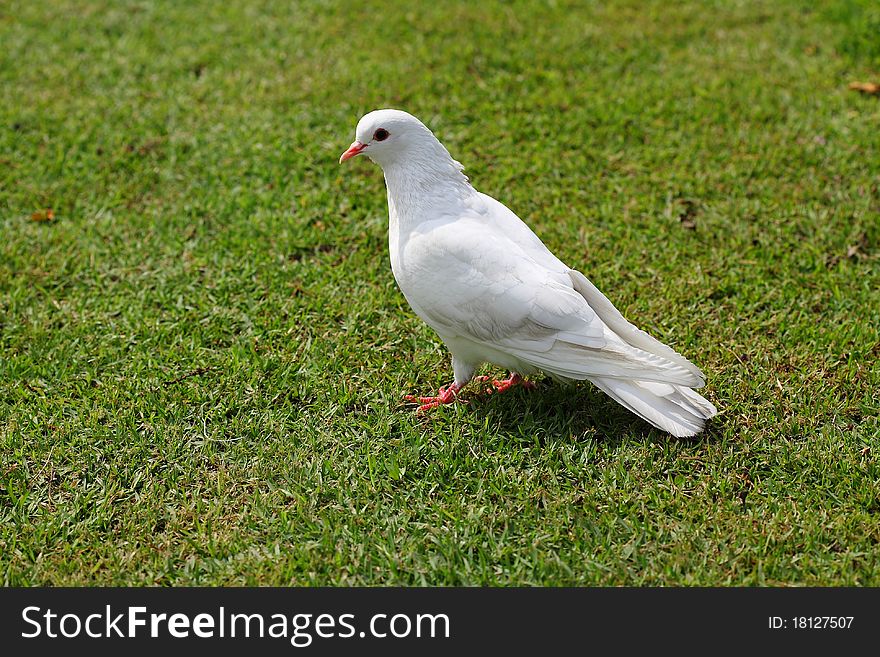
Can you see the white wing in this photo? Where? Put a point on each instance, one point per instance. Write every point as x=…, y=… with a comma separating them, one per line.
x=487, y=278
x=466, y=280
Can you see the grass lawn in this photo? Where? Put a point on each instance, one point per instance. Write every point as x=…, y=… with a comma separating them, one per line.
x=203, y=353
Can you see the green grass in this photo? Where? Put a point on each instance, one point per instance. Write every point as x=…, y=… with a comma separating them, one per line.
x=202, y=357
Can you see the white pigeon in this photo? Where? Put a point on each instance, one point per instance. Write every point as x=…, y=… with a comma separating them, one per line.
x=494, y=293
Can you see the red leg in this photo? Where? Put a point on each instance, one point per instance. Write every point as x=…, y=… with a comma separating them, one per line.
x=449, y=394
x=506, y=384
x=445, y=395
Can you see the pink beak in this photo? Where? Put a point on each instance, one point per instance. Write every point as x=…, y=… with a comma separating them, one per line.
x=355, y=149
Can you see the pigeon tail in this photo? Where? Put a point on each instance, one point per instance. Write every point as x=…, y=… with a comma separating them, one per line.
x=675, y=409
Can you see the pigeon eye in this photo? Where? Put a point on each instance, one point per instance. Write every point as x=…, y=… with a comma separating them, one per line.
x=381, y=134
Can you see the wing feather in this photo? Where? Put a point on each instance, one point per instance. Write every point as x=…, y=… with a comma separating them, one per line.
x=488, y=279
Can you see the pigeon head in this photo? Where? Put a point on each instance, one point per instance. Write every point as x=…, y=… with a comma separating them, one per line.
x=389, y=136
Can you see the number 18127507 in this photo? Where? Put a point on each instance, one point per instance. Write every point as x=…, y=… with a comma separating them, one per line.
x=810, y=622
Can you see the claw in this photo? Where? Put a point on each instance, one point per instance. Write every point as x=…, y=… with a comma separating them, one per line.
x=449, y=394
x=508, y=383
x=445, y=395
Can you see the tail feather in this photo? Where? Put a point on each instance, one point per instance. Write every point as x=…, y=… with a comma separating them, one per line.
x=675, y=409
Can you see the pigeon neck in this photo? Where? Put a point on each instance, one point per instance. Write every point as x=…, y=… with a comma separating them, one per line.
x=420, y=182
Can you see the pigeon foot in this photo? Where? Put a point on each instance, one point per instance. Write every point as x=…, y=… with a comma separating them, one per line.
x=445, y=395
x=506, y=384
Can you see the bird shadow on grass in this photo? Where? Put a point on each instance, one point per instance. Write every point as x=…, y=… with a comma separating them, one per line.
x=571, y=412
